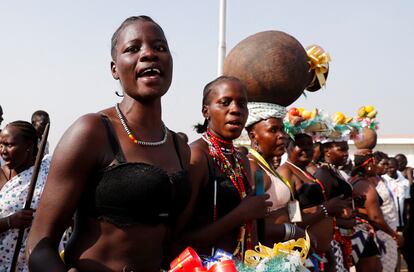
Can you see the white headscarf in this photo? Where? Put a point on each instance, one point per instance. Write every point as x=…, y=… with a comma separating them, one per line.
x=261, y=111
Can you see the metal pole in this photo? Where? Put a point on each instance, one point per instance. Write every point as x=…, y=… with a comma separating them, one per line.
x=222, y=37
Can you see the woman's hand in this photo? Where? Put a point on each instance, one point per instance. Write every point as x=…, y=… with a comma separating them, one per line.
x=337, y=205
x=21, y=219
x=399, y=239
x=253, y=207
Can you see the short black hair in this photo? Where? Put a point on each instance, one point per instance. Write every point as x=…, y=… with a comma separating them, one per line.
x=125, y=23
x=379, y=156
x=201, y=128
x=41, y=113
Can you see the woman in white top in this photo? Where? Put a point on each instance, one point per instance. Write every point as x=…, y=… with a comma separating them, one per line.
x=268, y=140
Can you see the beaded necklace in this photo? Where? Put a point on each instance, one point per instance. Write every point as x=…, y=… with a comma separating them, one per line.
x=235, y=174
x=132, y=137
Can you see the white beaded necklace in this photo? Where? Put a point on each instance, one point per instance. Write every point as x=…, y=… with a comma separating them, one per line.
x=131, y=136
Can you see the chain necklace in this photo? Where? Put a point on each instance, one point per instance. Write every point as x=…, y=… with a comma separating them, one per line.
x=132, y=137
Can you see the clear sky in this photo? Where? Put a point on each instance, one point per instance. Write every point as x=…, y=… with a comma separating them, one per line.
x=55, y=55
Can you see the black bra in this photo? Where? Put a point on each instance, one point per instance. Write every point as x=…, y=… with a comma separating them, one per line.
x=309, y=195
x=127, y=193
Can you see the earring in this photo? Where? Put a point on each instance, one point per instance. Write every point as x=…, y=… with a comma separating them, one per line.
x=119, y=94
x=256, y=146
x=369, y=168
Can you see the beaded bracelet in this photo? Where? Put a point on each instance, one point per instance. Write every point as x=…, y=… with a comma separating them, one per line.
x=324, y=210
x=8, y=222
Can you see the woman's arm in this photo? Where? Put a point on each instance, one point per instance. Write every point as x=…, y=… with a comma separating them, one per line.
x=77, y=155
x=5, y=224
x=374, y=212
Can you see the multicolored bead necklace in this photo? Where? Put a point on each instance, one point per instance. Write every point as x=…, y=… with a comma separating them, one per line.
x=132, y=137
x=235, y=174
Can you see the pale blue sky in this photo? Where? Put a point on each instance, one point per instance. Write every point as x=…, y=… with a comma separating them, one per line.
x=55, y=55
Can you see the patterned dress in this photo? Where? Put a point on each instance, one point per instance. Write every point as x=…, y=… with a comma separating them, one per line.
x=12, y=198
x=389, y=259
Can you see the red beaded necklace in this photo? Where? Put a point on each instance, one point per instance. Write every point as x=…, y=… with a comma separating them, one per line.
x=235, y=174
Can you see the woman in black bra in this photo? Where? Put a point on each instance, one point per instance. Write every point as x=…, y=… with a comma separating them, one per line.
x=121, y=170
x=335, y=154
x=317, y=209
x=221, y=207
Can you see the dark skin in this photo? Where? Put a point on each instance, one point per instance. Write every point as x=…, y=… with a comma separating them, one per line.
x=312, y=166
x=382, y=167
x=17, y=154
x=1, y=115
x=366, y=187
x=300, y=153
x=392, y=168
x=407, y=171
x=39, y=122
x=335, y=154
x=85, y=149
x=226, y=110
x=269, y=139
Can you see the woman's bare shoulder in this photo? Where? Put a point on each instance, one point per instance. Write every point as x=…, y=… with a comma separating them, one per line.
x=85, y=139
x=199, y=149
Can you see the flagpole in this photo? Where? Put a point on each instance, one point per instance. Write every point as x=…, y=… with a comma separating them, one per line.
x=222, y=37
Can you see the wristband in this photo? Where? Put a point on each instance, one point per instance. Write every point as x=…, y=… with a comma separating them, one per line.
x=288, y=231
x=292, y=235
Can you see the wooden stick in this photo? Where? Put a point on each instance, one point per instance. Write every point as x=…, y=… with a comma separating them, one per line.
x=29, y=197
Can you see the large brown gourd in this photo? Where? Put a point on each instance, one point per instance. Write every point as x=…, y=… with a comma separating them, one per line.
x=273, y=65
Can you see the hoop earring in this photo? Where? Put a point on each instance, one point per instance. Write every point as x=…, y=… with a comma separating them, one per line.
x=119, y=94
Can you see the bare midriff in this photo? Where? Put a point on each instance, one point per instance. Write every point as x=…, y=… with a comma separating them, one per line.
x=101, y=246
x=322, y=230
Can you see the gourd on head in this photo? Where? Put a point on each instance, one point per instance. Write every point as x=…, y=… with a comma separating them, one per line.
x=273, y=65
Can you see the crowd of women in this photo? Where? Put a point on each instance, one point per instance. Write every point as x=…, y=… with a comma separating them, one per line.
x=139, y=195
